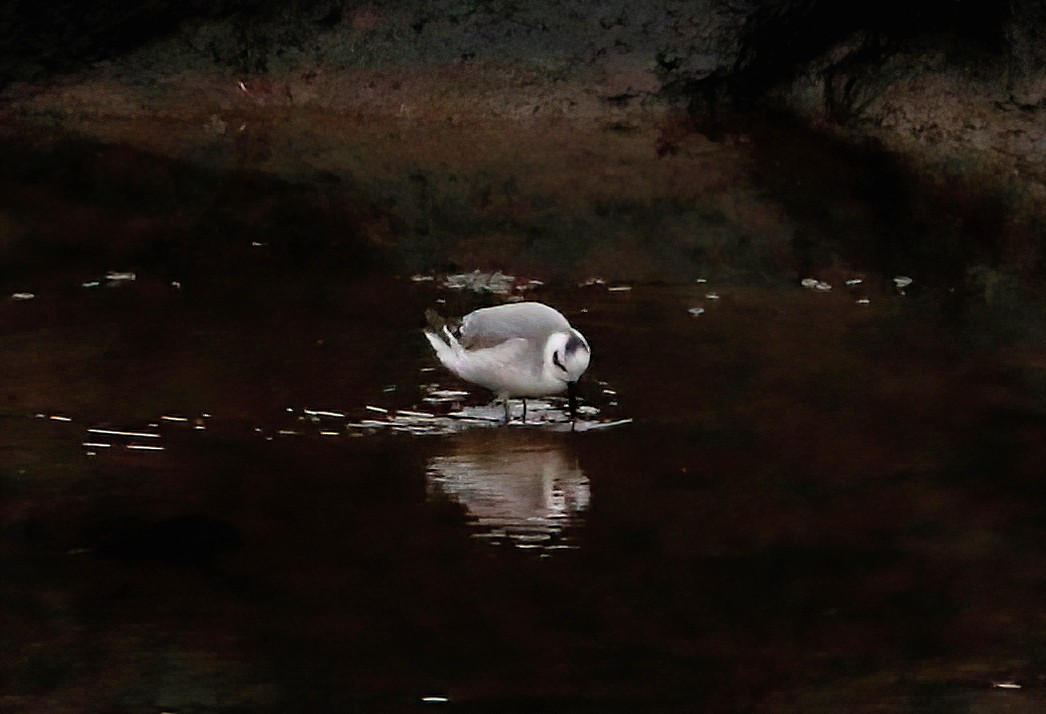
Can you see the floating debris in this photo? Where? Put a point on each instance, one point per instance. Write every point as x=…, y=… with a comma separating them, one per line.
x=853, y=282
x=619, y=288
x=420, y=415
x=471, y=415
x=591, y=426
x=325, y=413
x=116, y=278
x=711, y=296
x=131, y=438
x=23, y=296
x=548, y=413
x=478, y=281
x=422, y=278
x=1006, y=685
x=814, y=284
x=592, y=281
x=445, y=395
x=454, y=417
x=91, y=283
x=902, y=281
x=864, y=301
x=695, y=311
x=128, y=434
x=434, y=700
x=701, y=280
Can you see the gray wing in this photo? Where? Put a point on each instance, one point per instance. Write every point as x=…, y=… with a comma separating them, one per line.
x=490, y=326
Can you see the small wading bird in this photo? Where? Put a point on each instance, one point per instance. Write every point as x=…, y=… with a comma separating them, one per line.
x=523, y=349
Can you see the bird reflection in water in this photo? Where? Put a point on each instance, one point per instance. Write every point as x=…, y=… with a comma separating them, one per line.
x=527, y=494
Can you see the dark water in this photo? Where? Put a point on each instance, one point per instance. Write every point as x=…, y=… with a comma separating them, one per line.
x=236, y=482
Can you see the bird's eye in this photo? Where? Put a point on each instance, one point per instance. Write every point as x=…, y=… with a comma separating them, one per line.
x=555, y=361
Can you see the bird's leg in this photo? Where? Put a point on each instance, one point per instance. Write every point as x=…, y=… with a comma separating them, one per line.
x=524, y=410
x=572, y=400
x=505, y=401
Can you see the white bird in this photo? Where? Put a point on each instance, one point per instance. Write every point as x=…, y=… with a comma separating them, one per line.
x=523, y=349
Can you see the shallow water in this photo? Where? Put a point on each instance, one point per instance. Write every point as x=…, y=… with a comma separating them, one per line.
x=245, y=485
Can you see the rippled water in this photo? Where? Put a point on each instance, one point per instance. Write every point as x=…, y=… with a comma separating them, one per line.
x=250, y=487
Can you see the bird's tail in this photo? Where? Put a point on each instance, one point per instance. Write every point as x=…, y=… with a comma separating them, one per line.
x=434, y=321
x=441, y=338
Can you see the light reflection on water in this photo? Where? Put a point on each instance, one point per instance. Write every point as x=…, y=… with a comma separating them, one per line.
x=527, y=493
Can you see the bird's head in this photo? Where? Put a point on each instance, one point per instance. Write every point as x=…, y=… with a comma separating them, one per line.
x=566, y=356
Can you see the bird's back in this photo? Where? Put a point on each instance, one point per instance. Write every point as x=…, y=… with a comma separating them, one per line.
x=491, y=326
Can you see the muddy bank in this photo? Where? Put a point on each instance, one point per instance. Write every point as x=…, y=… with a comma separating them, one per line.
x=438, y=186
x=955, y=91
x=615, y=143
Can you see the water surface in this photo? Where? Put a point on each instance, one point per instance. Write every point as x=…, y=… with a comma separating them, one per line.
x=240, y=482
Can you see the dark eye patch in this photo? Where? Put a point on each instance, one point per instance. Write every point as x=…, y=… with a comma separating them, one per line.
x=574, y=343
x=555, y=361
